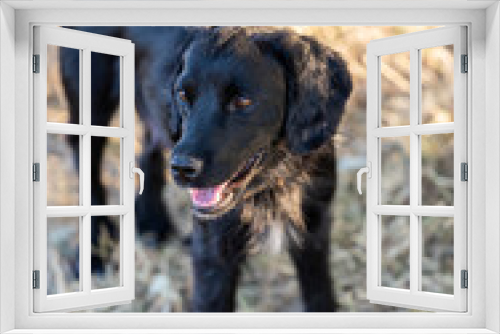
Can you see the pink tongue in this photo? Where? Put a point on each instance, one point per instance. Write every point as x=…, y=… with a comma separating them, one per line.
x=205, y=197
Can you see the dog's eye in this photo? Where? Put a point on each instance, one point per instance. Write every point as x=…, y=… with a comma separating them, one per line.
x=183, y=95
x=240, y=102
x=243, y=102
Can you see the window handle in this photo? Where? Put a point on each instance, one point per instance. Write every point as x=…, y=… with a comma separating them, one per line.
x=137, y=170
x=368, y=171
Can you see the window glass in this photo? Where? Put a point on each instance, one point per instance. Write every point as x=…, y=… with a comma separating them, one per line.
x=63, y=255
x=58, y=105
x=106, y=171
x=395, y=170
x=395, y=89
x=437, y=169
x=105, y=261
x=395, y=251
x=105, y=97
x=437, y=84
x=63, y=177
x=437, y=254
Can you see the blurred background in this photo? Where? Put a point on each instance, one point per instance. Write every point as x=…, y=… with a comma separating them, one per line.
x=268, y=284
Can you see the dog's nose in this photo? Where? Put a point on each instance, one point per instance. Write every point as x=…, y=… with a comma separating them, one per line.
x=185, y=168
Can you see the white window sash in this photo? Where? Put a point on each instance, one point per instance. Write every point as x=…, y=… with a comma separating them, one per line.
x=414, y=298
x=86, y=297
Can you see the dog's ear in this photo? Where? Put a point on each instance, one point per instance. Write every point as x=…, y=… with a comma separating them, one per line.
x=318, y=86
x=172, y=65
x=174, y=114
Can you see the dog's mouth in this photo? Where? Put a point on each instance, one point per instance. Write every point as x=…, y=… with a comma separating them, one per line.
x=214, y=201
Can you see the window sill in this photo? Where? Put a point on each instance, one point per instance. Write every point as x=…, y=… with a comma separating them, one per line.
x=253, y=331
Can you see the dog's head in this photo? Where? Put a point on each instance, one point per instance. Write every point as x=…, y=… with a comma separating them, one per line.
x=238, y=94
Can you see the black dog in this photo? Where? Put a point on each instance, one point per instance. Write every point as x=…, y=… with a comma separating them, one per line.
x=249, y=114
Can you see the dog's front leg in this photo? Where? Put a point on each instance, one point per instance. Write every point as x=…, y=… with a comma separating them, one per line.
x=151, y=210
x=312, y=256
x=218, y=250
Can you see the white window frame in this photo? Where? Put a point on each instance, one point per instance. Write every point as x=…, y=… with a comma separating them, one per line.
x=413, y=44
x=483, y=211
x=86, y=297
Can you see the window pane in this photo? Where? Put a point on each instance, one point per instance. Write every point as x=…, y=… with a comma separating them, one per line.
x=63, y=255
x=105, y=170
x=62, y=170
x=395, y=89
x=437, y=254
x=437, y=84
x=105, y=94
x=105, y=231
x=437, y=169
x=63, y=103
x=395, y=171
x=395, y=251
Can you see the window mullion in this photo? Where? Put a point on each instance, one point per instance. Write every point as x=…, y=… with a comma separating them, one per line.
x=414, y=169
x=405, y=210
x=434, y=128
x=67, y=129
x=85, y=165
x=106, y=131
x=81, y=130
x=393, y=131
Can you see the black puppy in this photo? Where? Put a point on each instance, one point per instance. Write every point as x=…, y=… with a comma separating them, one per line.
x=249, y=114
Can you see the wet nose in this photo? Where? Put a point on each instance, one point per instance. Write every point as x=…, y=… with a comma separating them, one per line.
x=185, y=168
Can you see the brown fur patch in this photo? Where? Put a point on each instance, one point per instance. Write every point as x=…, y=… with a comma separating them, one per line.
x=288, y=182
